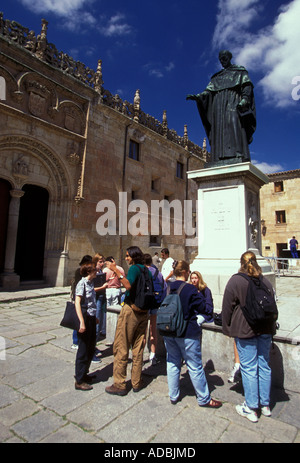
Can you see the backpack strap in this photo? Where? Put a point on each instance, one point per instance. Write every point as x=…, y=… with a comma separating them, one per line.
x=155, y=274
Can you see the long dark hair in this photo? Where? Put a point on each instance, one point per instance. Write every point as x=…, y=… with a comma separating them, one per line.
x=136, y=254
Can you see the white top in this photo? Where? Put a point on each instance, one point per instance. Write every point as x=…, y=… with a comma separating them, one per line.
x=167, y=269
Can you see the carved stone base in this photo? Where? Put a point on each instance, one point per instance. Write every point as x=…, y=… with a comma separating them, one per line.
x=9, y=281
x=228, y=222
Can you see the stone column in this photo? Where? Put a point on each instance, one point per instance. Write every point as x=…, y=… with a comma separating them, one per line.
x=10, y=279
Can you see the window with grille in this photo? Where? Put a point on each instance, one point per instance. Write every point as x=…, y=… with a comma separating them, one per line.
x=134, y=150
x=280, y=217
x=278, y=187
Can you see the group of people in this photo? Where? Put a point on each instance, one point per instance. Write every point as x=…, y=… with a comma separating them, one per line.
x=251, y=349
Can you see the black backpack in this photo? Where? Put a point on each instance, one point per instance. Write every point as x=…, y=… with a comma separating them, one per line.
x=170, y=320
x=143, y=291
x=260, y=308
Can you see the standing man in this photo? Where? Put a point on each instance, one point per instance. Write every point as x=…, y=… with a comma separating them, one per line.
x=167, y=267
x=156, y=260
x=294, y=247
x=131, y=327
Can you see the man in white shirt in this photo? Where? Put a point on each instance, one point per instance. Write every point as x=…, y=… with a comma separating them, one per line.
x=167, y=267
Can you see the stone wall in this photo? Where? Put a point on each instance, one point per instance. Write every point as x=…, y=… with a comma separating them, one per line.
x=62, y=131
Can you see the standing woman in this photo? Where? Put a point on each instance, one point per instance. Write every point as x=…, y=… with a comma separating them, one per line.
x=188, y=346
x=197, y=280
x=253, y=348
x=85, y=305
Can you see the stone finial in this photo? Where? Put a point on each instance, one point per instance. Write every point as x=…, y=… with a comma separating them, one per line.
x=98, y=78
x=165, y=124
x=42, y=40
x=185, y=137
x=137, y=105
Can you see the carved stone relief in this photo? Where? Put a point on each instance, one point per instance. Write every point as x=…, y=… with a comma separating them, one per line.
x=253, y=219
x=20, y=170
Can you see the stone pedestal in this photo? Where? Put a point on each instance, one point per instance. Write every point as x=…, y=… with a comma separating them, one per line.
x=228, y=222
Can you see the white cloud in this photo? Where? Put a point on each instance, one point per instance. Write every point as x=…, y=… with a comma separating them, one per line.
x=78, y=16
x=158, y=69
x=267, y=168
x=59, y=7
x=116, y=25
x=273, y=50
x=233, y=19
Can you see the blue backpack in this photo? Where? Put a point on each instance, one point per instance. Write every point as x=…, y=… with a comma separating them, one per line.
x=170, y=320
x=158, y=287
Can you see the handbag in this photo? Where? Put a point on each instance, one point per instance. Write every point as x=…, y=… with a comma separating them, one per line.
x=217, y=318
x=70, y=318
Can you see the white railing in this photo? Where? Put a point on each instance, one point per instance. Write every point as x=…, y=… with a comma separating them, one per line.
x=283, y=266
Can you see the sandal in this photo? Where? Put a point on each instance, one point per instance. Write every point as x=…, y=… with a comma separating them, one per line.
x=212, y=404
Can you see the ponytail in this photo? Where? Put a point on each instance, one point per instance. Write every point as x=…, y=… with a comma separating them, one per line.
x=249, y=265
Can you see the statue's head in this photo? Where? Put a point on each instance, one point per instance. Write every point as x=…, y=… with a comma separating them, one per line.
x=225, y=57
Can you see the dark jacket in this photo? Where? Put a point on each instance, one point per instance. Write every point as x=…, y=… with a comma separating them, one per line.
x=193, y=303
x=234, y=323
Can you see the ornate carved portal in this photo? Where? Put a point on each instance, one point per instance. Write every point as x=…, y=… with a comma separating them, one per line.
x=28, y=162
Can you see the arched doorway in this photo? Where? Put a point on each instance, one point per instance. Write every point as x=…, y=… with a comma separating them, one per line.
x=5, y=186
x=29, y=261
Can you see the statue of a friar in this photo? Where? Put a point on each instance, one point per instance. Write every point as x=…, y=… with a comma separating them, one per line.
x=227, y=111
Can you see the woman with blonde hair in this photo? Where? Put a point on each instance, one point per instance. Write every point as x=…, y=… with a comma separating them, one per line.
x=188, y=346
x=253, y=348
x=196, y=279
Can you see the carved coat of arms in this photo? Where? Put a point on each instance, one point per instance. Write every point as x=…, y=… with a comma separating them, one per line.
x=37, y=104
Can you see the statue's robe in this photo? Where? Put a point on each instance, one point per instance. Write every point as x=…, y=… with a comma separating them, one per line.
x=228, y=130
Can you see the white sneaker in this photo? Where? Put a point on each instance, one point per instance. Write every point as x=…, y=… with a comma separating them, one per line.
x=266, y=411
x=74, y=346
x=246, y=412
x=235, y=375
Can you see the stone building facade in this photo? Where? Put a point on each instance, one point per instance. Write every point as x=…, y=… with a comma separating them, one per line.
x=67, y=145
x=280, y=216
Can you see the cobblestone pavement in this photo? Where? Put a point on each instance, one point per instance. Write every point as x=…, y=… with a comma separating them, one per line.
x=38, y=401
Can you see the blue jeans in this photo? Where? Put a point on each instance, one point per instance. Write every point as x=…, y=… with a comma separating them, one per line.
x=101, y=315
x=190, y=351
x=294, y=252
x=254, y=356
x=75, y=338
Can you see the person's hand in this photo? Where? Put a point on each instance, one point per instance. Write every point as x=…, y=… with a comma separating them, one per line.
x=82, y=327
x=243, y=105
x=191, y=97
x=111, y=265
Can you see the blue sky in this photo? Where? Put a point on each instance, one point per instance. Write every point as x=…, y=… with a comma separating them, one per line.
x=168, y=49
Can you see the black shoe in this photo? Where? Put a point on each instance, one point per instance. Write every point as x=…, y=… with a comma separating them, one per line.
x=89, y=378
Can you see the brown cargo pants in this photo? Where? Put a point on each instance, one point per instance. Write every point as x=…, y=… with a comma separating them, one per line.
x=130, y=332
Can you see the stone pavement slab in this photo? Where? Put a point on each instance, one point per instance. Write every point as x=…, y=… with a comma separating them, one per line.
x=38, y=401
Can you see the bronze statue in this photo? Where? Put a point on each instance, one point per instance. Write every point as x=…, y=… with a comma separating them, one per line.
x=227, y=111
